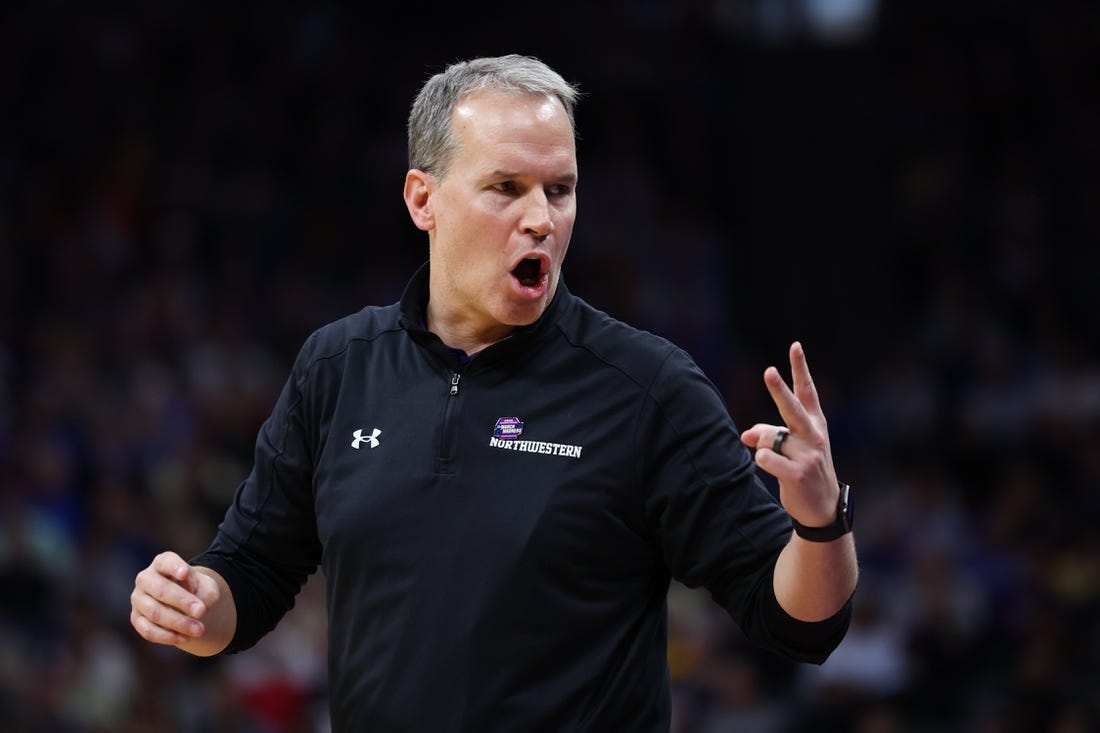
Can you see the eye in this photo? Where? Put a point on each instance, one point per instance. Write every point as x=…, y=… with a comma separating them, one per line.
x=558, y=190
x=505, y=187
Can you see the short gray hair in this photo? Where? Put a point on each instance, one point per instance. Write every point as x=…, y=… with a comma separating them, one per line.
x=431, y=136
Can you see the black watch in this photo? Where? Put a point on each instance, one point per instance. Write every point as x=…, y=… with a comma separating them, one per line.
x=841, y=526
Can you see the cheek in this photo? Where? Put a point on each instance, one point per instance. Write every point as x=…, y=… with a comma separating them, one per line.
x=472, y=259
x=564, y=234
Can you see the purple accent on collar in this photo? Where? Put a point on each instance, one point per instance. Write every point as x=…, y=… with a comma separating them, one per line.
x=463, y=357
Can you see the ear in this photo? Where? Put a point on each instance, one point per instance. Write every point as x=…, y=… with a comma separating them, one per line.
x=418, y=193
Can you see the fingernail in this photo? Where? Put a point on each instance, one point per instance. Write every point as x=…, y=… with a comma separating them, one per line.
x=197, y=609
x=195, y=628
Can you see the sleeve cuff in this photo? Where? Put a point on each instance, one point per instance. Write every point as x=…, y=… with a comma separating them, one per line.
x=805, y=641
x=244, y=635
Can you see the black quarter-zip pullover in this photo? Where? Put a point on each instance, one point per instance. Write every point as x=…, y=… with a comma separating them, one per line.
x=497, y=537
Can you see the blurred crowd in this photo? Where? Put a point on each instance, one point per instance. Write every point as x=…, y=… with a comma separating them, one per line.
x=188, y=190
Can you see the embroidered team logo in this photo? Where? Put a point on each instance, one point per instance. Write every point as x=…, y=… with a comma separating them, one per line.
x=371, y=440
x=508, y=428
x=507, y=431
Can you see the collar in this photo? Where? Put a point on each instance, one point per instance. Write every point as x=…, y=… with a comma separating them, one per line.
x=414, y=306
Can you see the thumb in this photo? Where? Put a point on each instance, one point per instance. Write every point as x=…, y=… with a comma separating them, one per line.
x=205, y=587
x=194, y=581
x=187, y=577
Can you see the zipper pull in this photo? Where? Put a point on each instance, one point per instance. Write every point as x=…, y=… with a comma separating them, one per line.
x=454, y=383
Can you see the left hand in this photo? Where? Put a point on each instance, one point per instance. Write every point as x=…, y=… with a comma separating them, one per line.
x=807, y=480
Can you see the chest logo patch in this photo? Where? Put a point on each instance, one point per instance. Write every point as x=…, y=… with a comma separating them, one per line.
x=508, y=428
x=507, y=431
x=371, y=440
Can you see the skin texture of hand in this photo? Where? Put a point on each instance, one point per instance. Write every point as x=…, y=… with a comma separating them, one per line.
x=182, y=605
x=807, y=480
x=812, y=579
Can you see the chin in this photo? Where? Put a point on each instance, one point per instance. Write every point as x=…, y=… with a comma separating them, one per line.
x=525, y=314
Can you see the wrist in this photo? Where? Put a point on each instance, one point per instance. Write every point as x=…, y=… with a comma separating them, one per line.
x=840, y=526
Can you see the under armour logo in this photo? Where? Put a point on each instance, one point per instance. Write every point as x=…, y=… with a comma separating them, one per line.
x=371, y=440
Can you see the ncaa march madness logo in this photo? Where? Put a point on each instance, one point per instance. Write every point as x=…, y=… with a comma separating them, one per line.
x=508, y=428
x=506, y=434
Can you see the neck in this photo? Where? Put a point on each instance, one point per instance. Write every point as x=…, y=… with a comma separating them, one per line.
x=459, y=333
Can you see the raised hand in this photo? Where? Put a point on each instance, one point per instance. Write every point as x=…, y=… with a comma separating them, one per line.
x=801, y=459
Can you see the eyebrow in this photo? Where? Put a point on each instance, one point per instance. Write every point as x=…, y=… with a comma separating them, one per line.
x=508, y=174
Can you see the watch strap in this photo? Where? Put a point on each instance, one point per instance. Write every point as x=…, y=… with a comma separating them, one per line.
x=841, y=526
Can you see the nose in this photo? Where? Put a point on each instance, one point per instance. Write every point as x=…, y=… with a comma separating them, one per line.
x=536, y=219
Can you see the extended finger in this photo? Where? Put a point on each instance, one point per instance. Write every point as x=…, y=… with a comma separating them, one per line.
x=804, y=388
x=790, y=409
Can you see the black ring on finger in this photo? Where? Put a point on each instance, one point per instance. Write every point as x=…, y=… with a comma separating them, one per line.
x=780, y=436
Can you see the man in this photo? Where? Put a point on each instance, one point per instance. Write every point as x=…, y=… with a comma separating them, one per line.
x=499, y=481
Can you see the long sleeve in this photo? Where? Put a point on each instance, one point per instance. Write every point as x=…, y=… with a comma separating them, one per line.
x=718, y=525
x=266, y=546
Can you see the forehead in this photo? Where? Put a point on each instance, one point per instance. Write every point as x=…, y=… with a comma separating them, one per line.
x=494, y=124
x=488, y=104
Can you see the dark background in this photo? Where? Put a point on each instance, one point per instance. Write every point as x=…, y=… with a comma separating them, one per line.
x=910, y=188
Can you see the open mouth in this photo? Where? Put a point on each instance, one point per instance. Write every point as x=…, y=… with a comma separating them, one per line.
x=529, y=271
